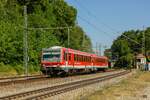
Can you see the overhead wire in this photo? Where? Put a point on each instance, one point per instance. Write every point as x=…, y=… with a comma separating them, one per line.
x=93, y=25
x=107, y=26
x=89, y=13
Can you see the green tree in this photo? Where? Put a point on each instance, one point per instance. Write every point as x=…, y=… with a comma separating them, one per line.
x=121, y=50
x=128, y=46
x=41, y=14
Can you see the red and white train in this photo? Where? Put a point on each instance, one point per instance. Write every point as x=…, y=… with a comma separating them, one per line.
x=59, y=60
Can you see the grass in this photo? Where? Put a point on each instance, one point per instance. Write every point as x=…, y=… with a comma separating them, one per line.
x=130, y=87
x=7, y=70
x=15, y=70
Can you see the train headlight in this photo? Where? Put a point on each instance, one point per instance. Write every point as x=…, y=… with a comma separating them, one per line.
x=44, y=65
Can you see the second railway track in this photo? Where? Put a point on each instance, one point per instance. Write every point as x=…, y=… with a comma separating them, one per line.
x=21, y=79
x=24, y=79
x=54, y=90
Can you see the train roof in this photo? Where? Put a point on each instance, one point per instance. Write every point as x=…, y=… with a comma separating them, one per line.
x=74, y=51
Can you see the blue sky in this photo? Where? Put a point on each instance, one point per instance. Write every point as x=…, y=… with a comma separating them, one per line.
x=111, y=17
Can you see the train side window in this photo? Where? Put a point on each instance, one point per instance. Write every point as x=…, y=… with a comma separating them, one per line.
x=83, y=58
x=65, y=56
x=103, y=60
x=75, y=57
x=90, y=59
x=69, y=56
x=80, y=58
x=86, y=58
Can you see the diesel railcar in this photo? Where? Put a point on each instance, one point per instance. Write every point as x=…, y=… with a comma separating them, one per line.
x=58, y=60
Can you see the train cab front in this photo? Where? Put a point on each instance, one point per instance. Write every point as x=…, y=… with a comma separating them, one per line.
x=51, y=61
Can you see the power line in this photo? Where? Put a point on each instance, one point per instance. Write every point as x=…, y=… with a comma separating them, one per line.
x=89, y=13
x=93, y=25
x=88, y=21
x=112, y=29
x=50, y=28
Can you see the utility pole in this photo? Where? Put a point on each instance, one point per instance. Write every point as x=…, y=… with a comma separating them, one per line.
x=105, y=47
x=25, y=41
x=68, y=45
x=83, y=40
x=100, y=49
x=68, y=37
x=25, y=38
x=143, y=42
x=96, y=48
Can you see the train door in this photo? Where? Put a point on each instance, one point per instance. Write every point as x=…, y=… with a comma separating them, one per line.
x=65, y=60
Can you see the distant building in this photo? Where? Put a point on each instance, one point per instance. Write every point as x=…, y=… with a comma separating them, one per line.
x=148, y=60
x=140, y=61
x=108, y=53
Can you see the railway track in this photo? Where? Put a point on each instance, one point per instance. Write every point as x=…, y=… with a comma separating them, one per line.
x=17, y=77
x=23, y=79
x=54, y=90
x=20, y=79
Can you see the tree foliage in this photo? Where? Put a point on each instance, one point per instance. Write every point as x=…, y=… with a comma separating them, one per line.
x=41, y=13
x=124, y=49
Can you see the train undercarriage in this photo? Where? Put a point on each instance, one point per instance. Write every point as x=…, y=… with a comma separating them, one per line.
x=58, y=71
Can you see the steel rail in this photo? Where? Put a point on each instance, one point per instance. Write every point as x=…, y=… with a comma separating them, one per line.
x=54, y=90
x=17, y=77
x=21, y=79
x=69, y=88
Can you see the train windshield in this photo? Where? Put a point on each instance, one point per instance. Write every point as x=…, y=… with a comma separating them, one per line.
x=52, y=56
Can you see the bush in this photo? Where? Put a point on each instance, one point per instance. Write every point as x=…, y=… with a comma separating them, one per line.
x=34, y=69
x=17, y=69
x=7, y=70
x=124, y=61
